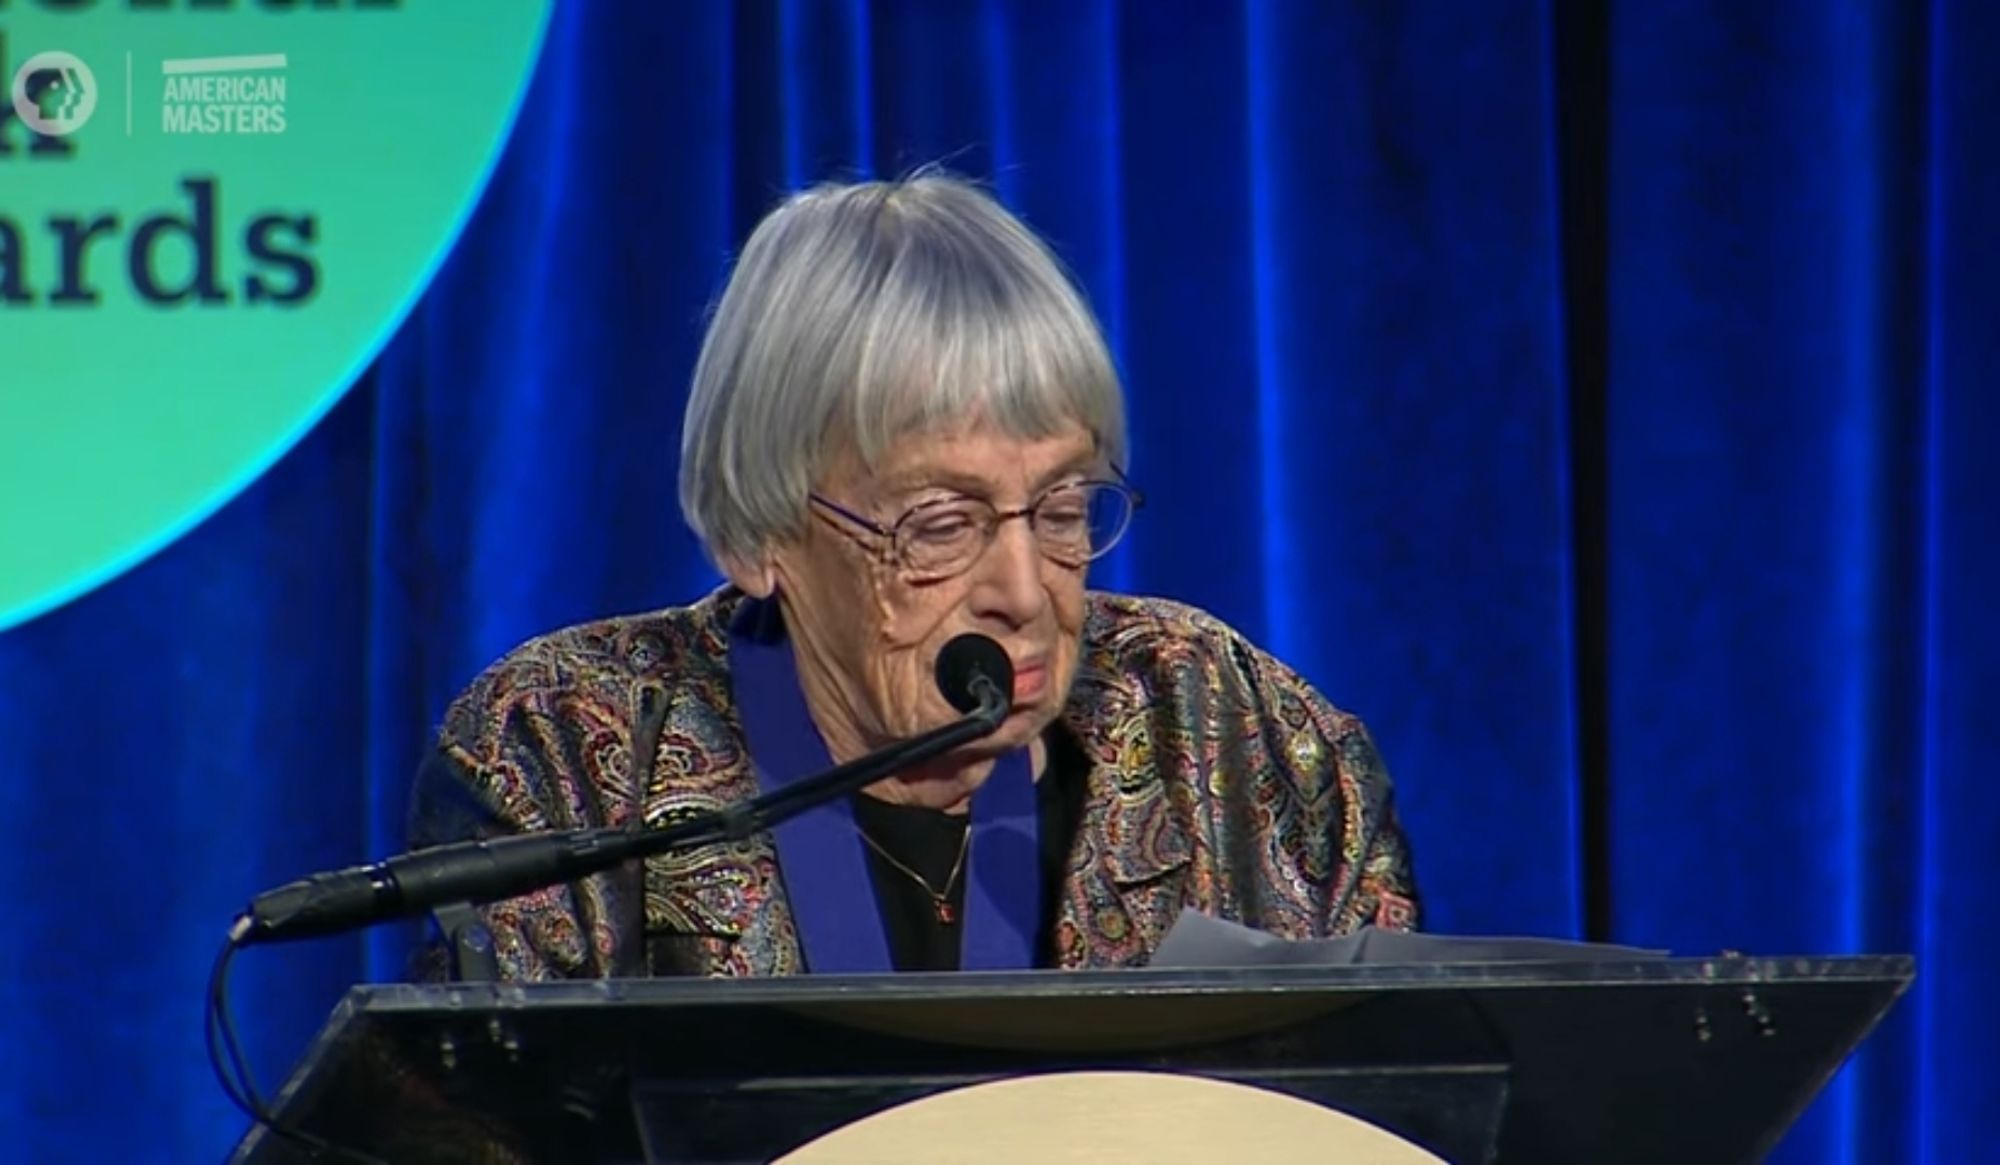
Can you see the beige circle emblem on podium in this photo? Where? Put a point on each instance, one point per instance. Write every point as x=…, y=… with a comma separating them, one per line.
x=1158, y=1118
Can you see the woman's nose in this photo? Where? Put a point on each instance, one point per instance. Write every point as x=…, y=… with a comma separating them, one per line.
x=1011, y=573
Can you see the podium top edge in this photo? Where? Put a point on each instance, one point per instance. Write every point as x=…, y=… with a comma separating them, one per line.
x=1894, y=971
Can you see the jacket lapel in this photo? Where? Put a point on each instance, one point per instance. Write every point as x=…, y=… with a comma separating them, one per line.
x=720, y=909
x=1129, y=867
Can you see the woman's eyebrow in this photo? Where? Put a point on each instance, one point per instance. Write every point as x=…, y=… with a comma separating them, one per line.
x=925, y=477
x=921, y=478
x=1074, y=466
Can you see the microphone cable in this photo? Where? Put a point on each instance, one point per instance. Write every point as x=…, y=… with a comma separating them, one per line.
x=232, y=1068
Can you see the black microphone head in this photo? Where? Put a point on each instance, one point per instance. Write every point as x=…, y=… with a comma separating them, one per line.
x=970, y=658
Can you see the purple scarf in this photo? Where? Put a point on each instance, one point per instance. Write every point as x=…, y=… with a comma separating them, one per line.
x=820, y=852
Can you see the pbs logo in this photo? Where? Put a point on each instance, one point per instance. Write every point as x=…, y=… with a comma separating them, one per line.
x=54, y=93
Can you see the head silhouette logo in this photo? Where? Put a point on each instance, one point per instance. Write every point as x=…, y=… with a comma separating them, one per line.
x=54, y=93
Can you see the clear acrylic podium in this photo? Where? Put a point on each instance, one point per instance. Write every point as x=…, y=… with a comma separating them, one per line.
x=1667, y=1060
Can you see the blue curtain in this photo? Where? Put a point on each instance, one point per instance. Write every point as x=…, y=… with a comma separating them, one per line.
x=1601, y=405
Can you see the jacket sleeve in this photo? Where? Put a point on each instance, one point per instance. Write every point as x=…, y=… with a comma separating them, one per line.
x=1332, y=760
x=504, y=765
x=1376, y=886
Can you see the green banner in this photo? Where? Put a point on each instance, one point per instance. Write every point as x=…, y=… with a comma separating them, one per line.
x=212, y=217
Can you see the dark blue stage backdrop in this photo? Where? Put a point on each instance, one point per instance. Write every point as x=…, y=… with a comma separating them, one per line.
x=1602, y=407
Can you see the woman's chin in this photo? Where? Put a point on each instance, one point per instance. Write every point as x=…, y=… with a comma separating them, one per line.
x=1020, y=727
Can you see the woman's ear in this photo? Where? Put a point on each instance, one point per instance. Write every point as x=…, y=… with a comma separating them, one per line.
x=756, y=577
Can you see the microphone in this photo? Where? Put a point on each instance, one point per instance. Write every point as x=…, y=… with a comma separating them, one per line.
x=411, y=883
x=973, y=673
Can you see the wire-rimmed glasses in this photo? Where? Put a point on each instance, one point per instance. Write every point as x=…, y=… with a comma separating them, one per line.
x=1073, y=523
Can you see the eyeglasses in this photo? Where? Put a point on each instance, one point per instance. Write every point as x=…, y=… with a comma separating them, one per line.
x=1073, y=523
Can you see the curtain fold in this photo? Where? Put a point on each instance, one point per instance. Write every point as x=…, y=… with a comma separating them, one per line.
x=1598, y=401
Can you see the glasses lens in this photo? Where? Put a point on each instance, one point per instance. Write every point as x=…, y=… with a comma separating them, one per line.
x=1082, y=522
x=944, y=537
x=1110, y=514
x=1073, y=524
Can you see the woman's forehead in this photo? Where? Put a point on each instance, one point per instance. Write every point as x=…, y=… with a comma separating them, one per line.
x=981, y=458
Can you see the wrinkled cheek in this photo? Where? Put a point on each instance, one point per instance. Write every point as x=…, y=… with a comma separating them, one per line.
x=886, y=613
x=910, y=617
x=1066, y=590
x=904, y=691
x=1065, y=675
x=1069, y=642
x=894, y=638
x=1069, y=621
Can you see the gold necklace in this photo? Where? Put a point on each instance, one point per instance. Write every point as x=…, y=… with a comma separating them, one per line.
x=947, y=914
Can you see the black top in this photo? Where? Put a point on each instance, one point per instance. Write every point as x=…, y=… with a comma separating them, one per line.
x=930, y=842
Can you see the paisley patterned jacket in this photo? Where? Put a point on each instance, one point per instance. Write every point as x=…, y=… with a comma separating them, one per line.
x=1219, y=780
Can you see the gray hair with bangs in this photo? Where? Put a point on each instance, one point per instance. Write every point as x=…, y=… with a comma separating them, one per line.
x=859, y=315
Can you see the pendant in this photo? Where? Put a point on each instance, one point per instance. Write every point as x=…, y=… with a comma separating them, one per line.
x=946, y=912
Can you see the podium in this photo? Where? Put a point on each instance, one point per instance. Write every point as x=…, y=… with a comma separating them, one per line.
x=1518, y=1063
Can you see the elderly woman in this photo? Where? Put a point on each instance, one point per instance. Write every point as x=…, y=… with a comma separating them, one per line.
x=905, y=426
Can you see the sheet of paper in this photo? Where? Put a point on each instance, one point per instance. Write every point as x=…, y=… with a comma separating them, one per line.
x=1198, y=940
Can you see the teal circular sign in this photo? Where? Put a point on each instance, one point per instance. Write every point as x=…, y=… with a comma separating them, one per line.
x=216, y=215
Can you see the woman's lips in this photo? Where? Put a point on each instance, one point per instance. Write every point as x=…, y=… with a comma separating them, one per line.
x=1030, y=681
